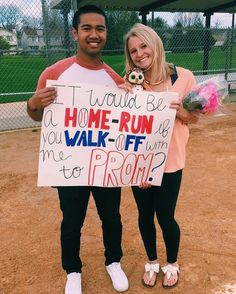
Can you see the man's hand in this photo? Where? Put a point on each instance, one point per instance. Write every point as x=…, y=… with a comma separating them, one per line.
x=42, y=98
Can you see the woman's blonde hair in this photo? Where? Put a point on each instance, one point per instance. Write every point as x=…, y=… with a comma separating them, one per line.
x=160, y=68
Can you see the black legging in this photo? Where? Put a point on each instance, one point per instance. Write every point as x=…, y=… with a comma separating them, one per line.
x=73, y=203
x=162, y=201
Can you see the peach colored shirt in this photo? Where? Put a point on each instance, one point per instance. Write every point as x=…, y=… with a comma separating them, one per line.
x=177, y=149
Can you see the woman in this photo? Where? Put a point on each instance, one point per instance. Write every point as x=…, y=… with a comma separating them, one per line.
x=144, y=49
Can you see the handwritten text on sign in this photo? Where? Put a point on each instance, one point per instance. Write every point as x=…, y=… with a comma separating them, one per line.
x=99, y=136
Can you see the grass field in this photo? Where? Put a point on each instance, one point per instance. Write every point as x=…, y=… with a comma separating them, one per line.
x=20, y=74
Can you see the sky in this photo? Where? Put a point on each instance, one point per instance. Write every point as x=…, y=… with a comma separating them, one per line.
x=33, y=8
x=225, y=19
x=28, y=7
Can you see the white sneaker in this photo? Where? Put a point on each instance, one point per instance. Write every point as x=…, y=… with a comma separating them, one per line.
x=73, y=284
x=118, y=277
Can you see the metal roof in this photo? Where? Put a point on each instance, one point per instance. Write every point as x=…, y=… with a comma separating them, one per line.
x=226, y=6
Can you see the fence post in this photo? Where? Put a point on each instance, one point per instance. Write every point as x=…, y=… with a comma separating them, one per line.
x=206, y=42
x=229, y=49
x=65, y=11
x=45, y=31
x=143, y=14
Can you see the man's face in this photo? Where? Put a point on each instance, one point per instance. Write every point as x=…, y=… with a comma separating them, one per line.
x=91, y=34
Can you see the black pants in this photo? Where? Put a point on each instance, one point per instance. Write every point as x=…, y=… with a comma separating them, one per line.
x=74, y=203
x=162, y=202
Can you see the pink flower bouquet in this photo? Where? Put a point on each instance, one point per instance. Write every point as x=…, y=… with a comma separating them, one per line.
x=207, y=96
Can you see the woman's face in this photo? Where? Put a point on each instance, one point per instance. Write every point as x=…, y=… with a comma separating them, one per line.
x=140, y=53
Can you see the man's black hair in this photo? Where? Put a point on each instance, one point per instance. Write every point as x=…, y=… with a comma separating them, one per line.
x=86, y=9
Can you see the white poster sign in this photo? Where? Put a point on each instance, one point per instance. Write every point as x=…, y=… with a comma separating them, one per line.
x=101, y=136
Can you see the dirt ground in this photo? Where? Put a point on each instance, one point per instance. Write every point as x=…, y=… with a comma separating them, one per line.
x=30, y=221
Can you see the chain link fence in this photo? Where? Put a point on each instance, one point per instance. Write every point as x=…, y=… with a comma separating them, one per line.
x=34, y=35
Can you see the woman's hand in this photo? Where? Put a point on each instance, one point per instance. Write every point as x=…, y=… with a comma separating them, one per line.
x=176, y=104
x=145, y=185
x=186, y=116
x=182, y=113
x=127, y=87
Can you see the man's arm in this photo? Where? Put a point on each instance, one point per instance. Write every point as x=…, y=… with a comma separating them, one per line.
x=41, y=99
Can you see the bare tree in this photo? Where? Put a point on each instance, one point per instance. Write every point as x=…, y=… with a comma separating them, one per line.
x=4, y=45
x=10, y=16
x=189, y=19
x=32, y=22
x=218, y=23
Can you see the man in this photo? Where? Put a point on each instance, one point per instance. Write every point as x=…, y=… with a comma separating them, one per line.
x=89, y=31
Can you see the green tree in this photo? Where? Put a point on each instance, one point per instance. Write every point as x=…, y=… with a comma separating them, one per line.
x=158, y=23
x=189, y=34
x=161, y=27
x=197, y=36
x=177, y=40
x=119, y=22
x=4, y=45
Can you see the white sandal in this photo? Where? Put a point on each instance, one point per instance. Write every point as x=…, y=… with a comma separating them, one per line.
x=170, y=270
x=151, y=268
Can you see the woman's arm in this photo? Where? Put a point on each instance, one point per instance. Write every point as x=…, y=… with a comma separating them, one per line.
x=182, y=114
x=186, y=116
